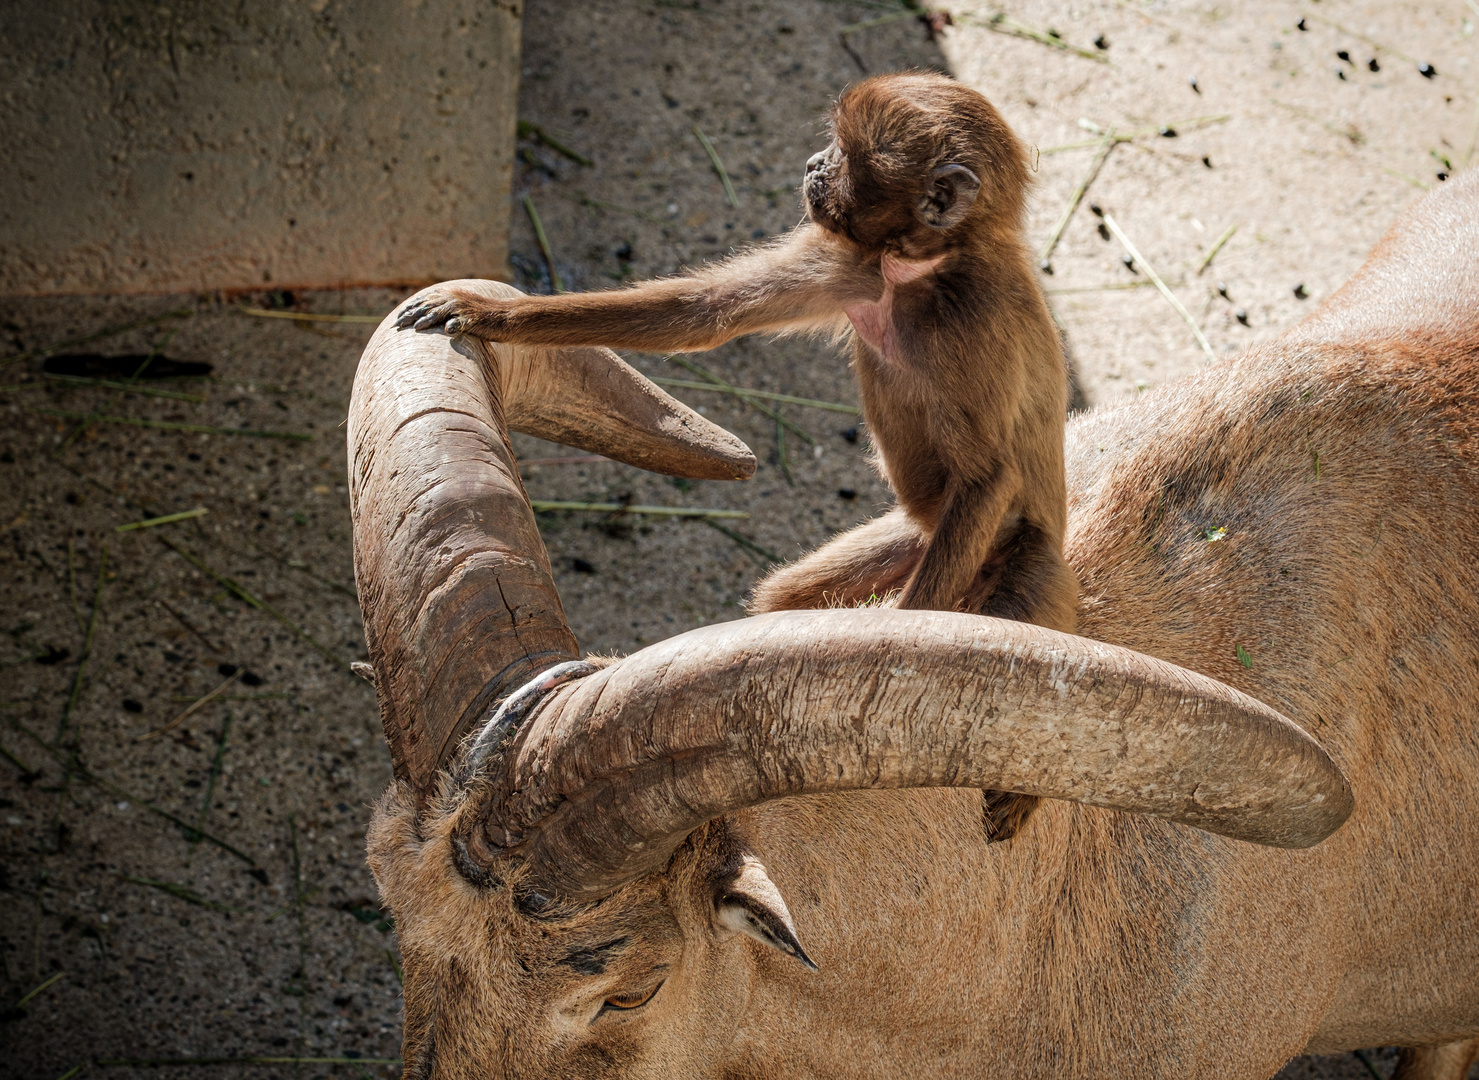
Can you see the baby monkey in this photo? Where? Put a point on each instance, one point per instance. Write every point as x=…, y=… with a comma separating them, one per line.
x=913, y=248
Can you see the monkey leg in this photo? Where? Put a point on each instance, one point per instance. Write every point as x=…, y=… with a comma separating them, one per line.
x=865, y=562
x=1449, y=1062
x=963, y=541
x=1035, y=584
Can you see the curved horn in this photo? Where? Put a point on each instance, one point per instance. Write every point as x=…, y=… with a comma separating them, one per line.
x=615, y=770
x=454, y=581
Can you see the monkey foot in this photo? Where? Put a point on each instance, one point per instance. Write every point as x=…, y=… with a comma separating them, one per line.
x=431, y=309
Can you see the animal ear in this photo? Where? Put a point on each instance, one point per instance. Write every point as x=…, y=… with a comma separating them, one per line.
x=952, y=191
x=749, y=903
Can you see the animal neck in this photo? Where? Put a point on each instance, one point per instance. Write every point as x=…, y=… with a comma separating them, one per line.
x=873, y=319
x=901, y=271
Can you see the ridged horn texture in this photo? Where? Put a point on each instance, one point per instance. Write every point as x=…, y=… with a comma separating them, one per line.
x=613, y=771
x=454, y=581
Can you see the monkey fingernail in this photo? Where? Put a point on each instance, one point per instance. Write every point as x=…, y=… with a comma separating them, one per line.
x=453, y=326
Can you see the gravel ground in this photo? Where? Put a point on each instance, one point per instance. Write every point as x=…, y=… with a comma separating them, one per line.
x=201, y=892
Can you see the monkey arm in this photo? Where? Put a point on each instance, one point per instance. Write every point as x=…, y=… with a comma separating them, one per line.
x=964, y=536
x=868, y=561
x=800, y=283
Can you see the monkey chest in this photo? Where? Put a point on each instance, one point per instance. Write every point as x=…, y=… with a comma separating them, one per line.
x=872, y=321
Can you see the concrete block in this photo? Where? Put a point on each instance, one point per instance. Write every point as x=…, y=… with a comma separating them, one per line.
x=189, y=145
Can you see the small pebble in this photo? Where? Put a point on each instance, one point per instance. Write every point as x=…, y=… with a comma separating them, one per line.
x=1373, y=65
x=1299, y=292
x=1207, y=162
x=130, y=705
x=1194, y=86
x=847, y=494
x=1168, y=133
x=1222, y=290
x=1103, y=231
x=1340, y=74
x=581, y=566
x=1241, y=316
x=850, y=434
x=1442, y=175
x=1300, y=25
x=1096, y=209
x=1344, y=56
x=1129, y=261
x=1101, y=42
x=1046, y=266
x=1427, y=71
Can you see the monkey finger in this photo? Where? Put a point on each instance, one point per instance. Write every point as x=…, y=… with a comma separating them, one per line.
x=434, y=317
x=413, y=311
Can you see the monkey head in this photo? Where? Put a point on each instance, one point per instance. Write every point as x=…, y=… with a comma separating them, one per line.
x=915, y=160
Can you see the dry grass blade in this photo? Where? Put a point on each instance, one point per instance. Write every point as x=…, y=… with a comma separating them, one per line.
x=750, y=546
x=167, y=1062
x=530, y=130
x=1362, y=37
x=182, y=892
x=76, y=769
x=252, y=601
x=198, y=703
x=127, y=388
x=178, y=313
x=1191, y=123
x=210, y=787
x=747, y=396
x=880, y=20
x=167, y=519
x=745, y=391
x=1165, y=290
x=92, y=623
x=569, y=459
x=17, y=762
x=81, y=429
x=1005, y=24
x=1106, y=144
x=1350, y=133
x=541, y=505
x=544, y=249
x=718, y=165
x=309, y=316
x=1115, y=286
x=38, y=989
x=89, y=419
x=1215, y=248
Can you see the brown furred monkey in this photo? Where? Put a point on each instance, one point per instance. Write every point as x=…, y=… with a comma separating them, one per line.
x=915, y=238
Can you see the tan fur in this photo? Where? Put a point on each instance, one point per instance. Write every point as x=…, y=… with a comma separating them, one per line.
x=1308, y=506
x=961, y=372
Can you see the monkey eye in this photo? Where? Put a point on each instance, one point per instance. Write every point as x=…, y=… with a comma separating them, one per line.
x=630, y=1001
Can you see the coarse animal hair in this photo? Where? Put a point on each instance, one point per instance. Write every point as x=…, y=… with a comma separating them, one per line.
x=1287, y=530
x=914, y=244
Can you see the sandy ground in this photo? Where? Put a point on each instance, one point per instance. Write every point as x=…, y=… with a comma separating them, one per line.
x=202, y=893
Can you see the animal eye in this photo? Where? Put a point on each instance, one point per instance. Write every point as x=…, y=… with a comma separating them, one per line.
x=631, y=1001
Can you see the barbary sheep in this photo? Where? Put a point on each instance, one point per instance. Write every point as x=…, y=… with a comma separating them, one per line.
x=757, y=849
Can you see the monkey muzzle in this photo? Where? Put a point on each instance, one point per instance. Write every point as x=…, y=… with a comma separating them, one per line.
x=817, y=185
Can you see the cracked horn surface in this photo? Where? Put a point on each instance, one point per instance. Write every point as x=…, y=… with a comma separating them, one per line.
x=454, y=580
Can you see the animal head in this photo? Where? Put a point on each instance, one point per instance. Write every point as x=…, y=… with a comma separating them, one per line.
x=565, y=846
x=913, y=159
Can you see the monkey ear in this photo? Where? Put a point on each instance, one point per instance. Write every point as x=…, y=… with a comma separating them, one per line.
x=947, y=200
x=749, y=903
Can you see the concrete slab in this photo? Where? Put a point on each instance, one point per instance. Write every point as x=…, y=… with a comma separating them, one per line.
x=203, y=146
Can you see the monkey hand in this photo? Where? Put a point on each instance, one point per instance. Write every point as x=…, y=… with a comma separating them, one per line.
x=452, y=312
